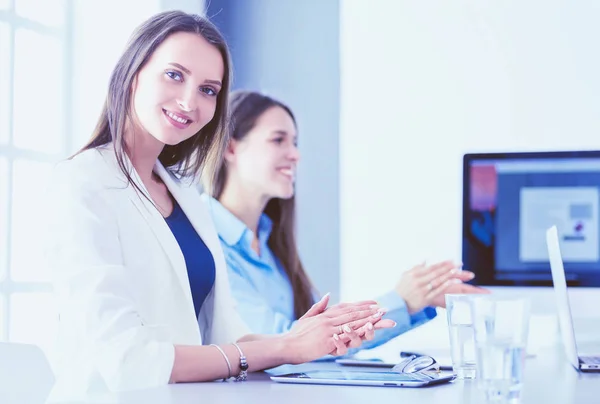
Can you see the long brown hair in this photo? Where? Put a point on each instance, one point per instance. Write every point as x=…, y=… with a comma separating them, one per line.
x=246, y=108
x=188, y=157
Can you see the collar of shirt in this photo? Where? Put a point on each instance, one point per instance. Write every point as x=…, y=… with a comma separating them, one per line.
x=232, y=230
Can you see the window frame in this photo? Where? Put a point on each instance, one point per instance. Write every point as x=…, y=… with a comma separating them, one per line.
x=8, y=286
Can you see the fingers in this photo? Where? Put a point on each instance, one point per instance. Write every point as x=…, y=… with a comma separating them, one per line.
x=353, y=316
x=344, y=308
x=439, y=289
x=442, y=266
x=441, y=282
x=317, y=308
x=348, y=304
x=369, y=334
x=350, y=337
x=385, y=323
x=442, y=269
x=465, y=276
x=374, y=318
x=462, y=289
x=470, y=289
x=366, y=332
x=355, y=339
x=340, y=345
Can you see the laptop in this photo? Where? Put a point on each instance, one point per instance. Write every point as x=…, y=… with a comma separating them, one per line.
x=584, y=361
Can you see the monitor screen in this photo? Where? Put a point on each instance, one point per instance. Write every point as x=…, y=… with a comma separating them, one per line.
x=511, y=199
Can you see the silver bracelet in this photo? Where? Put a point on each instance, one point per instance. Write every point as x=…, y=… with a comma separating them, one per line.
x=243, y=365
x=226, y=359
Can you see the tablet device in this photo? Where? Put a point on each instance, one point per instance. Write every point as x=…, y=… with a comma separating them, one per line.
x=370, y=363
x=354, y=378
x=377, y=363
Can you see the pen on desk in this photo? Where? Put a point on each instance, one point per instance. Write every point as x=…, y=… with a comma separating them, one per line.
x=405, y=354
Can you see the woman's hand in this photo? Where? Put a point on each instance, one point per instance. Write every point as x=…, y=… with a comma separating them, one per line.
x=352, y=335
x=333, y=330
x=461, y=288
x=424, y=285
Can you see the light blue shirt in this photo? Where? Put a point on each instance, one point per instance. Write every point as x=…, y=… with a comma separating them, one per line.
x=263, y=290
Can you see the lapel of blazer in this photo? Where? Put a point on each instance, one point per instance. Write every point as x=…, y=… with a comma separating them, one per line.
x=163, y=233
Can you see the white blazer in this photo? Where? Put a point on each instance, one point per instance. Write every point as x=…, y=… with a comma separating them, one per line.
x=121, y=282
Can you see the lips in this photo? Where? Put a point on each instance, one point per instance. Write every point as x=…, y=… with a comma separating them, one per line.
x=288, y=172
x=178, y=120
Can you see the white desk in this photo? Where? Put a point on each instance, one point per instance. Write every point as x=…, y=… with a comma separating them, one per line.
x=549, y=380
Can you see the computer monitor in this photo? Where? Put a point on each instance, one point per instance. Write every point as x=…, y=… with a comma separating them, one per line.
x=510, y=199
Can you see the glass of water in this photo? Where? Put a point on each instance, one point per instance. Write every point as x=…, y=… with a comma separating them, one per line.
x=462, y=342
x=501, y=329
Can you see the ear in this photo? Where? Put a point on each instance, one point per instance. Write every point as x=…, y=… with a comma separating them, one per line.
x=230, y=150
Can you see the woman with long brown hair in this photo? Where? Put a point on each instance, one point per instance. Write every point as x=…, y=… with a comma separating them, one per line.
x=252, y=202
x=139, y=274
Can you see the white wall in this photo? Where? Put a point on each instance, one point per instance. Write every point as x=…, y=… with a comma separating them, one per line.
x=96, y=49
x=272, y=52
x=424, y=82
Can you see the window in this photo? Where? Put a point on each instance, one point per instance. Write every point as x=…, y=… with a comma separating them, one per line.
x=34, y=100
x=56, y=57
x=4, y=185
x=5, y=57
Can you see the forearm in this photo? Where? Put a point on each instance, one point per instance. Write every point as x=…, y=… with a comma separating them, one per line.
x=205, y=363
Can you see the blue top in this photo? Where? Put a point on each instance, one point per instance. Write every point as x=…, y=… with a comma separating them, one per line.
x=263, y=290
x=198, y=259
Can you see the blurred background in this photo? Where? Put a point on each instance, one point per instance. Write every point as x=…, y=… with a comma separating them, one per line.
x=389, y=95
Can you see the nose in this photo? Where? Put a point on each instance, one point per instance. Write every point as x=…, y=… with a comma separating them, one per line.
x=294, y=153
x=184, y=106
x=187, y=100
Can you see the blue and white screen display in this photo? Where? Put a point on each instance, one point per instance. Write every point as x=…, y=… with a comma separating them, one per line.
x=509, y=204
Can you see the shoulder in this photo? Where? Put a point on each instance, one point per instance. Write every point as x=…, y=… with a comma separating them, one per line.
x=89, y=165
x=204, y=197
x=88, y=173
x=230, y=228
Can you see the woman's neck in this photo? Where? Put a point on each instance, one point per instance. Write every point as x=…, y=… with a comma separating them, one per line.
x=245, y=205
x=143, y=151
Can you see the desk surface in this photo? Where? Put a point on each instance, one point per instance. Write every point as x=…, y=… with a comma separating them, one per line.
x=548, y=379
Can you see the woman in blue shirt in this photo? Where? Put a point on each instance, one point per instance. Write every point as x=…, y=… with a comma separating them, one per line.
x=253, y=208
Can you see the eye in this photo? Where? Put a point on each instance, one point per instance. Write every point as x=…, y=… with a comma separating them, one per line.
x=278, y=140
x=209, y=91
x=174, y=75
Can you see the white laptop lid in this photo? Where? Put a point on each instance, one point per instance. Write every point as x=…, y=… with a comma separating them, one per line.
x=562, y=297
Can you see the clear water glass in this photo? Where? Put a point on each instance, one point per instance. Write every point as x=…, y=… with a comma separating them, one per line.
x=501, y=327
x=462, y=341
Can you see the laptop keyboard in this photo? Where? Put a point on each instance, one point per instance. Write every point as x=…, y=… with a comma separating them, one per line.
x=591, y=360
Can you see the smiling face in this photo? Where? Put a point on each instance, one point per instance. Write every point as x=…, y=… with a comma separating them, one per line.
x=175, y=93
x=265, y=160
